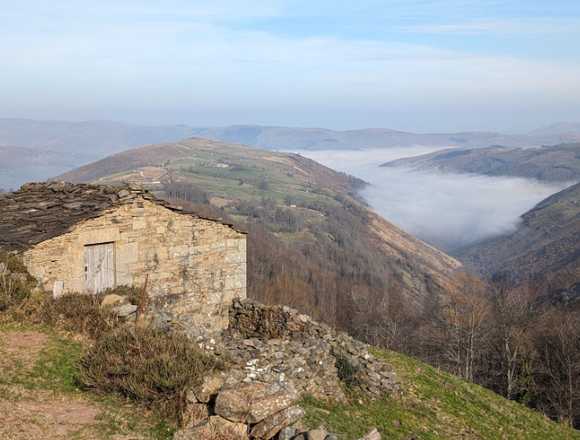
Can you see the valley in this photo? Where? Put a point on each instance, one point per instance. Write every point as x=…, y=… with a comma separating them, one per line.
x=315, y=243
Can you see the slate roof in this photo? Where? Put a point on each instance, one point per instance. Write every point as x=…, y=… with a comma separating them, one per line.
x=40, y=211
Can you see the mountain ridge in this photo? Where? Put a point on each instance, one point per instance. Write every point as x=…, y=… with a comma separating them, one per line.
x=544, y=247
x=309, y=208
x=558, y=163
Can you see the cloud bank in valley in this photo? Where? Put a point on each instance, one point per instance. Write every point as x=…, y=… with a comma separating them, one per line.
x=447, y=210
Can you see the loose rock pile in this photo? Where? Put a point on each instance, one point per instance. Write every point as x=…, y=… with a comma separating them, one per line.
x=279, y=343
x=275, y=355
x=238, y=411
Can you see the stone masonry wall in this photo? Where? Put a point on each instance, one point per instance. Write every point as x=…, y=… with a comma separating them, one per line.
x=278, y=344
x=194, y=267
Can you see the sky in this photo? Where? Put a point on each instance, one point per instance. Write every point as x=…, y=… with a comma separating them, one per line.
x=441, y=65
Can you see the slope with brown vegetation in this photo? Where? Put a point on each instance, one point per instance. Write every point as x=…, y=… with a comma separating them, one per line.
x=313, y=243
x=544, y=247
x=116, y=384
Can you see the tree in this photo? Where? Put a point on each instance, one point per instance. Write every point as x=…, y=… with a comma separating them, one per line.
x=512, y=315
x=462, y=326
x=558, y=377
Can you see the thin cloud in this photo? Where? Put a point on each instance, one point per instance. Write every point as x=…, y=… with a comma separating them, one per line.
x=553, y=26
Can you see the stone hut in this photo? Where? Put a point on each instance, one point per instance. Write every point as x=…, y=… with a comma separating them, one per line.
x=85, y=238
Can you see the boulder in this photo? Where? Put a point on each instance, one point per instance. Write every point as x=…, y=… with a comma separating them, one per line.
x=279, y=397
x=125, y=310
x=215, y=427
x=287, y=433
x=316, y=434
x=372, y=435
x=113, y=300
x=273, y=424
x=234, y=402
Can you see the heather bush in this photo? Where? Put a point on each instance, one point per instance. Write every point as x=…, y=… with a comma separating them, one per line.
x=146, y=365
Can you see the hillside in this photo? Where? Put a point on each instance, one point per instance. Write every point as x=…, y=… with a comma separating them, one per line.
x=560, y=163
x=435, y=405
x=545, y=245
x=41, y=398
x=314, y=244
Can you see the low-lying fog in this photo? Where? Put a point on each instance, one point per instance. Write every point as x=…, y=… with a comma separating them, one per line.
x=447, y=210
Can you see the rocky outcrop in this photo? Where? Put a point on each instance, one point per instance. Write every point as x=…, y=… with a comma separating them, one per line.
x=278, y=343
x=274, y=356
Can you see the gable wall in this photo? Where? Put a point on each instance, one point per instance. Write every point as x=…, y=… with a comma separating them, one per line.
x=195, y=267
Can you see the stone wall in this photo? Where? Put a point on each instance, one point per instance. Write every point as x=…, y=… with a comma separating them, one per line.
x=279, y=344
x=194, y=267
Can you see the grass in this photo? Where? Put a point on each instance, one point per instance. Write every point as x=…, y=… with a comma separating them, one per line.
x=56, y=370
x=433, y=405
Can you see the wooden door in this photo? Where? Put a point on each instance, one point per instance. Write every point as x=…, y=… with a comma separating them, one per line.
x=99, y=267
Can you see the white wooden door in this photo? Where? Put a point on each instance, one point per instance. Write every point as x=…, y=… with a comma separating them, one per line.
x=99, y=267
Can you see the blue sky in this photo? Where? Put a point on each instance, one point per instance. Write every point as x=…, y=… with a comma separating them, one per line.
x=405, y=64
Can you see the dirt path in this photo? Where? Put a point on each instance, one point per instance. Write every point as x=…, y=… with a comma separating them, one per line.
x=27, y=414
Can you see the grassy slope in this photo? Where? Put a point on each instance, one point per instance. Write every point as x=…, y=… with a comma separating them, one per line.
x=52, y=377
x=435, y=405
x=432, y=405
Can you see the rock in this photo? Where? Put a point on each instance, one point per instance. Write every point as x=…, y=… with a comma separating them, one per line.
x=277, y=343
x=216, y=426
x=113, y=300
x=273, y=424
x=331, y=437
x=316, y=434
x=281, y=397
x=233, y=403
x=208, y=388
x=287, y=433
x=372, y=435
x=125, y=310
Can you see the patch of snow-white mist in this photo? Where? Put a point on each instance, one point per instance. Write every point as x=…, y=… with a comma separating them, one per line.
x=447, y=210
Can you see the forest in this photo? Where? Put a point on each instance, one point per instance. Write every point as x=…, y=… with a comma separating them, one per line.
x=512, y=339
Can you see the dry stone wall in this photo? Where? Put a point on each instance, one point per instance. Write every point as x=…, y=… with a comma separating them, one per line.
x=274, y=356
x=279, y=344
x=193, y=267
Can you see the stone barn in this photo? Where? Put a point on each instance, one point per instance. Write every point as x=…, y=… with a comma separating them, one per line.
x=86, y=239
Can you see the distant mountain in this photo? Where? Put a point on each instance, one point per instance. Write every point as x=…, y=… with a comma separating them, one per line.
x=321, y=138
x=545, y=247
x=328, y=253
x=82, y=142
x=99, y=138
x=560, y=163
x=18, y=164
x=565, y=131
x=93, y=139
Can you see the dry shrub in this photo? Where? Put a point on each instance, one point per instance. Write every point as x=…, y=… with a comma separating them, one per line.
x=15, y=283
x=78, y=313
x=146, y=365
